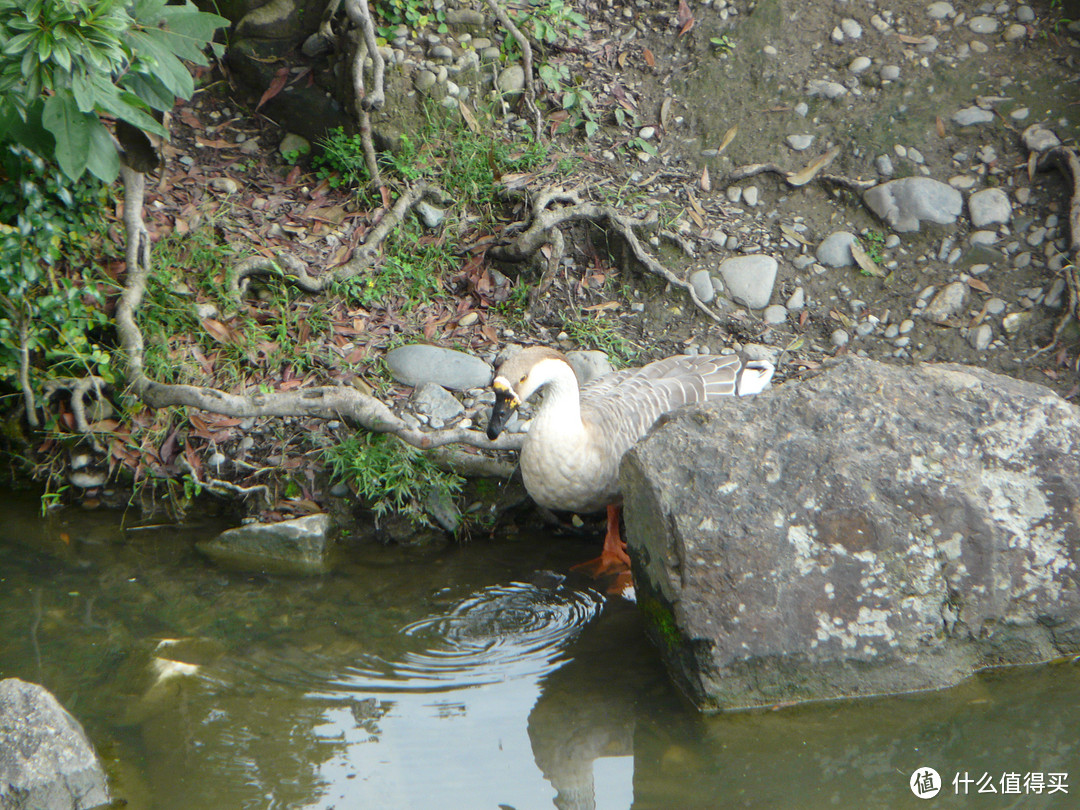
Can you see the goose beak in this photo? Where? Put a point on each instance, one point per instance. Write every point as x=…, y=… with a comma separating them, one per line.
x=506, y=402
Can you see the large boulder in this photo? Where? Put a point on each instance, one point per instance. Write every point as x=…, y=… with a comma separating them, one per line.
x=46, y=761
x=871, y=530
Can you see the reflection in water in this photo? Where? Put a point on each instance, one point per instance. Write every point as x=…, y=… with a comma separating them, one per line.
x=452, y=716
x=408, y=680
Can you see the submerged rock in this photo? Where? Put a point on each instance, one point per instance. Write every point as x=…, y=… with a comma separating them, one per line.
x=872, y=530
x=300, y=546
x=46, y=761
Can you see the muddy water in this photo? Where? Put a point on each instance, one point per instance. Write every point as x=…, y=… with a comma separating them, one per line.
x=461, y=678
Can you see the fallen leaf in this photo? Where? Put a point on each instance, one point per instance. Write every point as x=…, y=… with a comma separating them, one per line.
x=622, y=60
x=277, y=84
x=602, y=307
x=910, y=40
x=189, y=118
x=940, y=126
x=704, y=182
x=694, y=215
x=650, y=60
x=467, y=114
x=685, y=18
x=868, y=265
x=813, y=168
x=218, y=331
x=214, y=143
x=665, y=112
x=729, y=136
x=792, y=234
x=978, y=284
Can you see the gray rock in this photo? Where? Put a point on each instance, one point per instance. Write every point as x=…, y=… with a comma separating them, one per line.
x=442, y=52
x=1025, y=14
x=424, y=80
x=431, y=216
x=980, y=336
x=970, y=116
x=884, y=165
x=436, y=402
x=947, y=304
x=511, y=81
x=983, y=25
x=797, y=300
x=990, y=206
x=419, y=363
x=906, y=202
x=822, y=87
x=835, y=250
x=701, y=281
x=299, y=546
x=589, y=365
x=800, y=142
x=774, y=314
x=294, y=143
x=860, y=64
x=1014, y=32
x=46, y=760
x=940, y=10
x=1038, y=138
x=839, y=338
x=890, y=73
x=778, y=561
x=464, y=17
x=749, y=279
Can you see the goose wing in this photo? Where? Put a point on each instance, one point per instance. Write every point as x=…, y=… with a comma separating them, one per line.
x=621, y=407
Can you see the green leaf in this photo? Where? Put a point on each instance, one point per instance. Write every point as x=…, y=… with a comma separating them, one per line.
x=155, y=58
x=20, y=42
x=71, y=129
x=125, y=105
x=83, y=91
x=590, y=128
x=29, y=132
x=102, y=159
x=150, y=89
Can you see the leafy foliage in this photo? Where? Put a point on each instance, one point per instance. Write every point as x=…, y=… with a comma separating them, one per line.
x=51, y=230
x=65, y=63
x=389, y=475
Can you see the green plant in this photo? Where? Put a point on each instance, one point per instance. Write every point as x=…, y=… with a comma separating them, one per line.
x=390, y=475
x=413, y=13
x=51, y=292
x=875, y=246
x=66, y=63
x=550, y=19
x=722, y=44
x=599, y=332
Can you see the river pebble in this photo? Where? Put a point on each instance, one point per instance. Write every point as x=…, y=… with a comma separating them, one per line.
x=835, y=249
x=980, y=336
x=749, y=279
x=419, y=363
x=948, y=303
x=701, y=281
x=983, y=25
x=990, y=206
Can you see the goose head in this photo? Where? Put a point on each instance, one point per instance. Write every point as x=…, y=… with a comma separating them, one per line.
x=520, y=377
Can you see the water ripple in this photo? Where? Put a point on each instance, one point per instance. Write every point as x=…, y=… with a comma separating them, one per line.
x=499, y=633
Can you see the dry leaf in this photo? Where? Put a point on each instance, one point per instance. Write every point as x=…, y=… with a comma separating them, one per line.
x=694, y=215
x=695, y=204
x=868, y=265
x=277, y=84
x=705, y=183
x=685, y=18
x=467, y=114
x=218, y=331
x=940, y=126
x=793, y=234
x=602, y=307
x=978, y=284
x=650, y=60
x=910, y=40
x=729, y=136
x=622, y=60
x=665, y=112
x=813, y=169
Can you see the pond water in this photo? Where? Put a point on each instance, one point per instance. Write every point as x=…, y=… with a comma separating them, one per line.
x=468, y=677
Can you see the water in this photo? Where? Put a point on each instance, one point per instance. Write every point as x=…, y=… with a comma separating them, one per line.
x=458, y=678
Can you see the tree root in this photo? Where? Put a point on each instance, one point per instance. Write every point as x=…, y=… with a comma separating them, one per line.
x=24, y=377
x=526, y=64
x=546, y=220
x=1067, y=161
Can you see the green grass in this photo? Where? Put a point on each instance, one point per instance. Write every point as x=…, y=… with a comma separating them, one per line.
x=389, y=475
x=602, y=332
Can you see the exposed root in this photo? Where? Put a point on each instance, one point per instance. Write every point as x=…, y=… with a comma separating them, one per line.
x=24, y=377
x=296, y=272
x=360, y=15
x=547, y=220
x=526, y=64
x=219, y=487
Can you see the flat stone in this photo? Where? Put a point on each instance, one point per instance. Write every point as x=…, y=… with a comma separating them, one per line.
x=298, y=546
x=46, y=760
x=970, y=116
x=1038, y=138
x=939, y=11
x=511, y=80
x=890, y=73
x=419, y=363
x=907, y=202
x=800, y=142
x=464, y=17
x=983, y=25
x=749, y=279
x=860, y=64
x=880, y=556
x=835, y=249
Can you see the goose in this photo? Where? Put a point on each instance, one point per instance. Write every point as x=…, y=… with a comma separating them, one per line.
x=579, y=435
